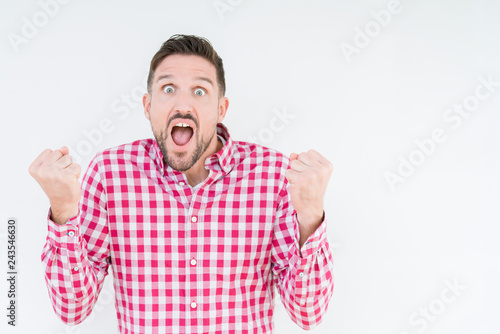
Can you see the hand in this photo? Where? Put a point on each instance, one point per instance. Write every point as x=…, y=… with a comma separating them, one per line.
x=308, y=176
x=58, y=176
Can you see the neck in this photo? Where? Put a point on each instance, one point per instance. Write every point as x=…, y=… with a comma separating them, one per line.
x=197, y=173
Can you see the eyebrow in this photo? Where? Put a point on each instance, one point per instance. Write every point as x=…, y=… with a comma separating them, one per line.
x=169, y=76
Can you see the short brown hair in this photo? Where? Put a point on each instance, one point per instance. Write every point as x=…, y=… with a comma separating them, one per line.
x=189, y=45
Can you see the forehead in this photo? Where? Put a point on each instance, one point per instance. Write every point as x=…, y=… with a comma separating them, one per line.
x=186, y=66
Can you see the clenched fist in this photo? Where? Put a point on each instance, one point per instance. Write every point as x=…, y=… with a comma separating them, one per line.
x=58, y=176
x=308, y=176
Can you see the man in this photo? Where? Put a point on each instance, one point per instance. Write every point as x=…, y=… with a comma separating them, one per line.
x=198, y=229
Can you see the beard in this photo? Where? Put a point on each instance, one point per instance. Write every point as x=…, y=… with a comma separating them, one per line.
x=184, y=160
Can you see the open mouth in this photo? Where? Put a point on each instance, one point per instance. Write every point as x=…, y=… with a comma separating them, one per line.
x=182, y=133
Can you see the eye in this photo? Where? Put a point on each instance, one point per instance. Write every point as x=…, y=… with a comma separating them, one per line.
x=200, y=91
x=168, y=89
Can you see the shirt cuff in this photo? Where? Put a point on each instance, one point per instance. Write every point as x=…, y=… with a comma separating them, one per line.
x=63, y=236
x=315, y=241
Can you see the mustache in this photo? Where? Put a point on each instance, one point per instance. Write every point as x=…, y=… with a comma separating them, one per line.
x=186, y=116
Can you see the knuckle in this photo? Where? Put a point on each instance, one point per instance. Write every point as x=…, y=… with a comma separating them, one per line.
x=53, y=154
x=42, y=173
x=32, y=170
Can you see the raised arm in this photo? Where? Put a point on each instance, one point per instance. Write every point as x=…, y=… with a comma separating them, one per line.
x=76, y=252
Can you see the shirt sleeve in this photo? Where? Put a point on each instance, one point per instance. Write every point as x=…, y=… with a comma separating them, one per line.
x=305, y=283
x=76, y=254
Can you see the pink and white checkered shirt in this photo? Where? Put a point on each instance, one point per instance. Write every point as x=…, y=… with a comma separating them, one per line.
x=202, y=259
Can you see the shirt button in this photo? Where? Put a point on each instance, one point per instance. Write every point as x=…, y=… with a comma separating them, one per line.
x=75, y=268
x=193, y=305
x=194, y=219
x=301, y=274
x=193, y=262
x=182, y=183
x=71, y=233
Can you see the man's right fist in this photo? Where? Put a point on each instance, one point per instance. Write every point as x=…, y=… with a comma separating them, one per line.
x=58, y=176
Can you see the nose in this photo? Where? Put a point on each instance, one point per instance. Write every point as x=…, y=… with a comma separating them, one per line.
x=183, y=102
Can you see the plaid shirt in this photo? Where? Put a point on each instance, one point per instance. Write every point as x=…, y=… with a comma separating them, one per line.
x=202, y=259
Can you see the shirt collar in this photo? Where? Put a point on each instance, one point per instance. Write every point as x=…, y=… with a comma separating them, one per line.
x=222, y=160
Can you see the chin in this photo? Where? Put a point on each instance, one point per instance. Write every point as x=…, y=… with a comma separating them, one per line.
x=179, y=161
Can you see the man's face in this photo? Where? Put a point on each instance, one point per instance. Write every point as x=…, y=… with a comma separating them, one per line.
x=184, y=108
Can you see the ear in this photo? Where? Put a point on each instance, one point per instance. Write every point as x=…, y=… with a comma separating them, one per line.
x=223, y=105
x=146, y=102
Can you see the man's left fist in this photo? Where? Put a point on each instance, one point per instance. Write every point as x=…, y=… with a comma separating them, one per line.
x=308, y=176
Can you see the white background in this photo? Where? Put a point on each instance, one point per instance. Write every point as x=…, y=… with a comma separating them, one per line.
x=394, y=249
